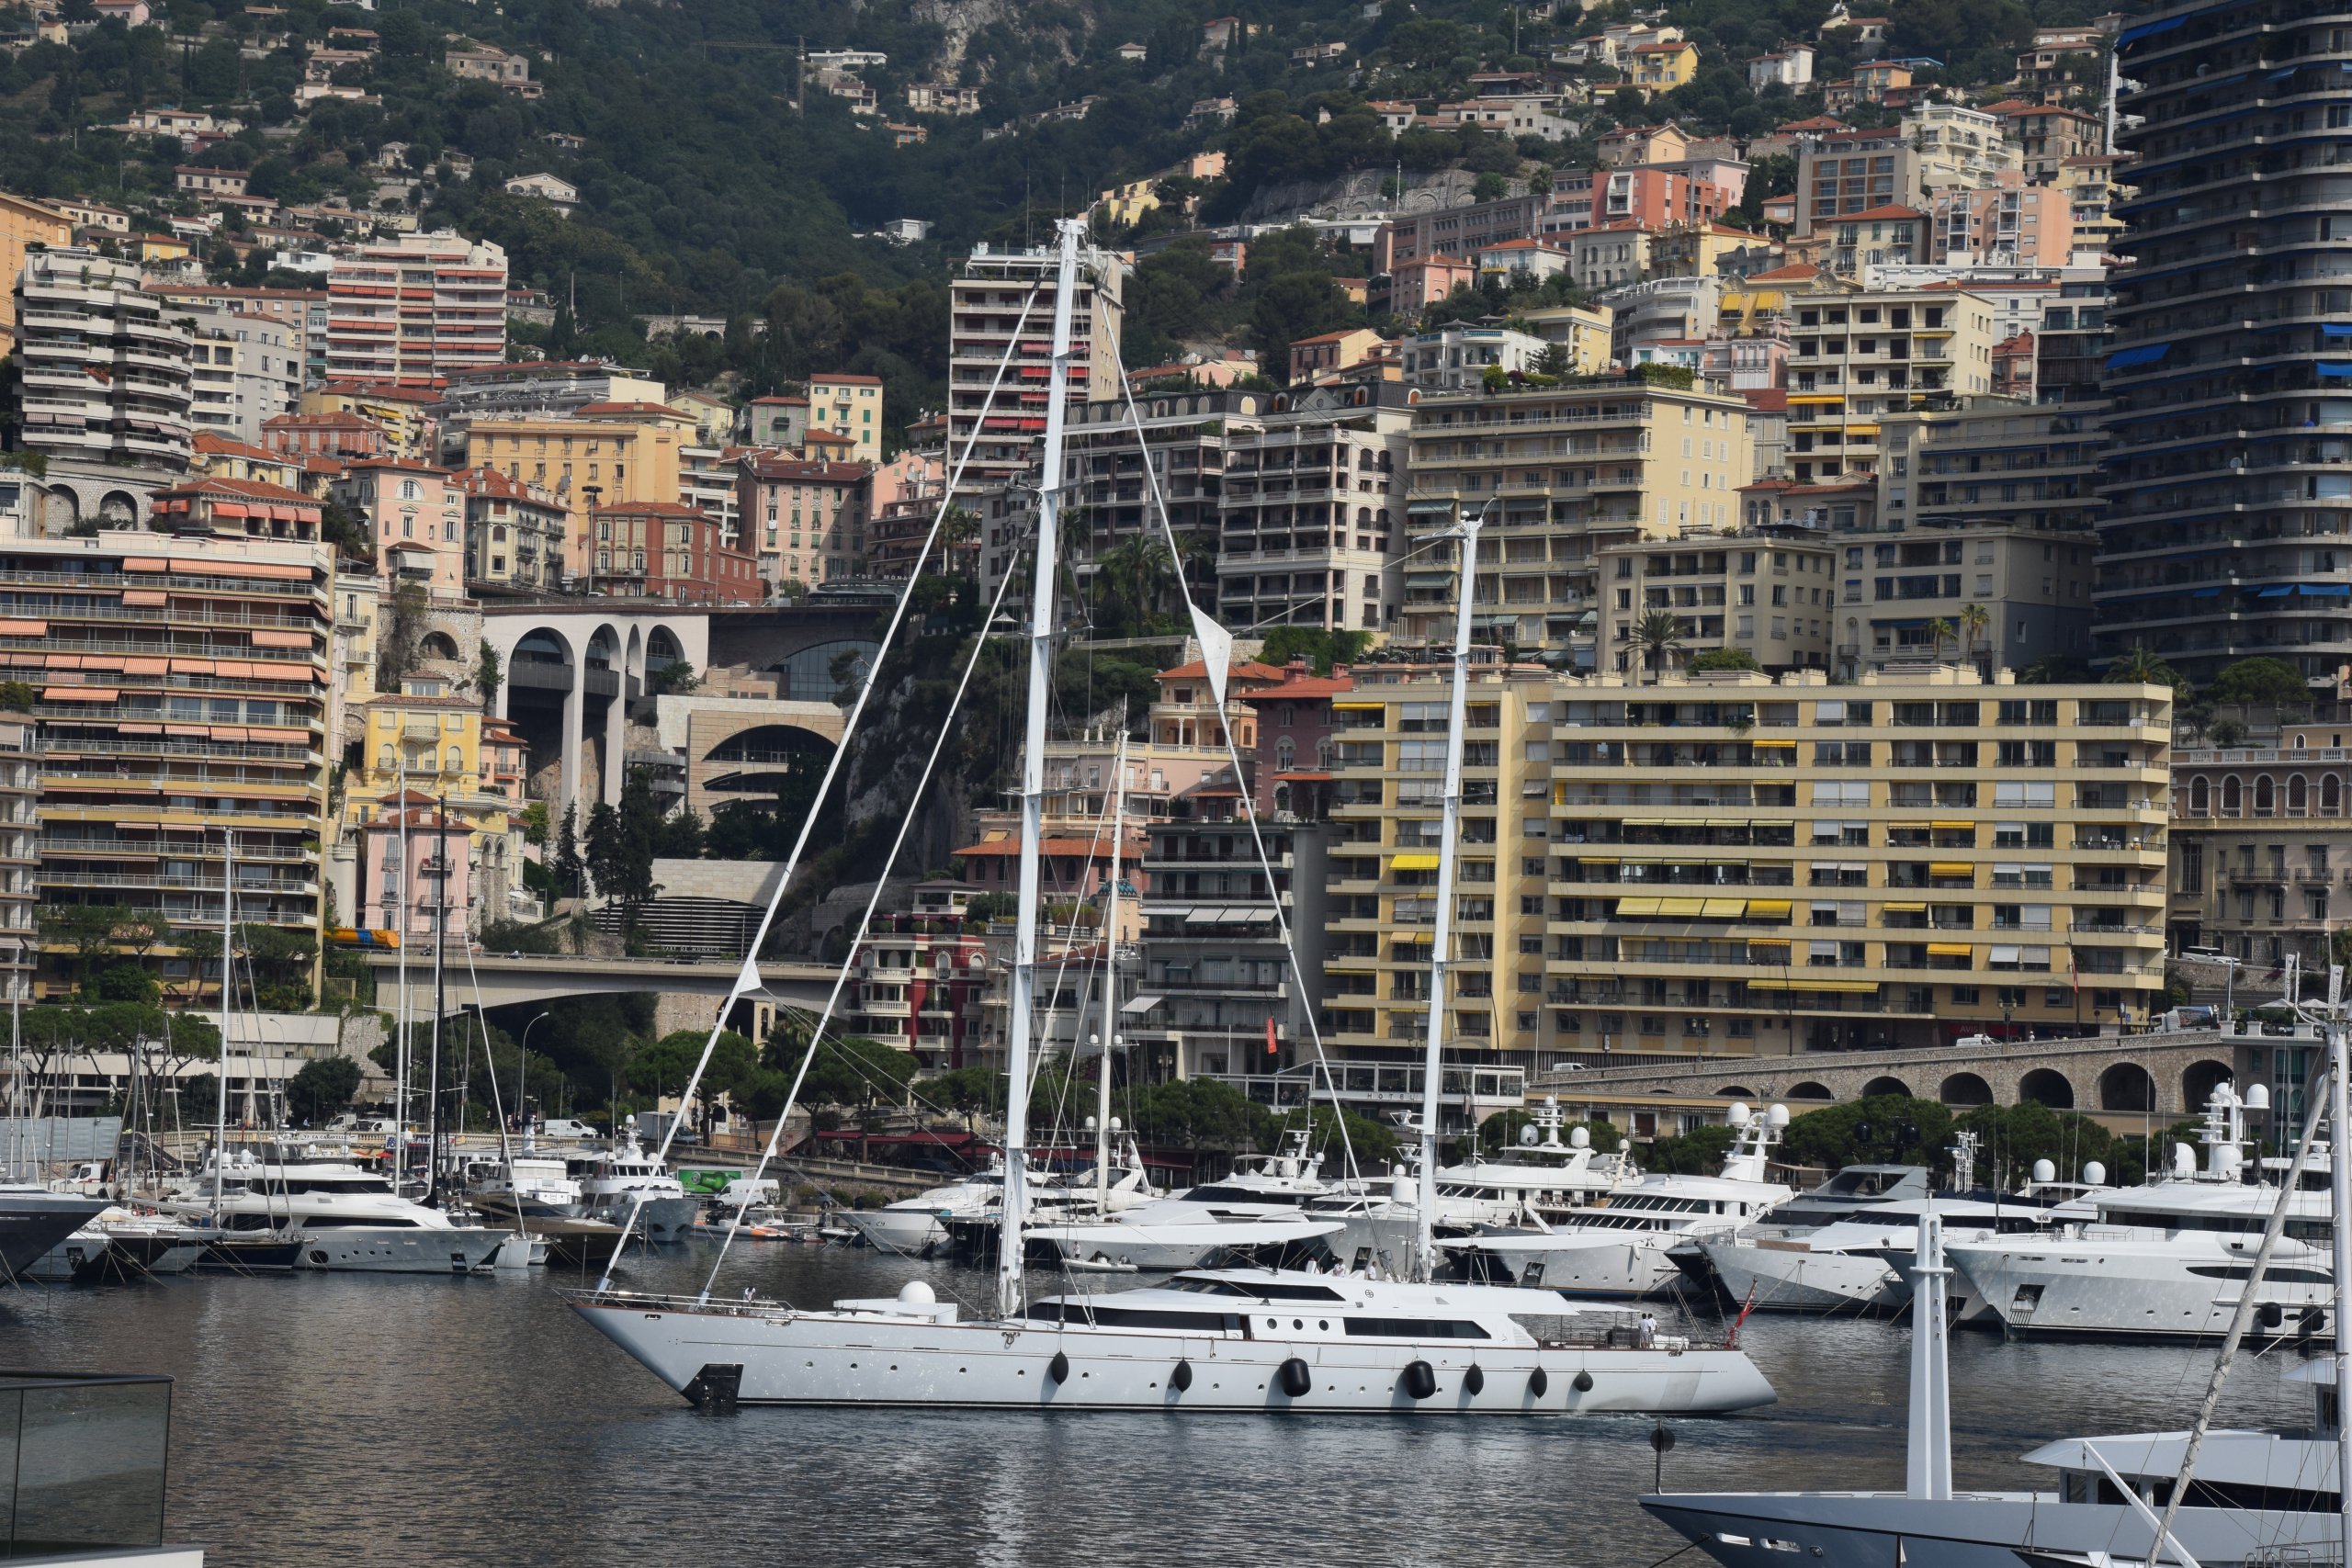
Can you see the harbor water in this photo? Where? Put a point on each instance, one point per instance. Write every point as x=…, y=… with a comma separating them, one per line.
x=476, y=1421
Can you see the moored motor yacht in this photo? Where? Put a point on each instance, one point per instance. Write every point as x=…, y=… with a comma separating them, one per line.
x=344, y=1217
x=34, y=1221
x=526, y=1186
x=1259, y=1205
x=625, y=1182
x=1620, y=1245
x=910, y=1224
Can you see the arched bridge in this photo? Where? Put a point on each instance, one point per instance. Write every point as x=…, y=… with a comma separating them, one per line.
x=533, y=978
x=2168, y=1076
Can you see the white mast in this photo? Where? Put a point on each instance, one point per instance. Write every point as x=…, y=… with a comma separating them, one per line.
x=1928, y=1467
x=1110, y=1040
x=1449, y=824
x=400, y=936
x=1033, y=790
x=220, y=1078
x=2339, y=1192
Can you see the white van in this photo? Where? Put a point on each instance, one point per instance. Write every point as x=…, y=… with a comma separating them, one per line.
x=566, y=1127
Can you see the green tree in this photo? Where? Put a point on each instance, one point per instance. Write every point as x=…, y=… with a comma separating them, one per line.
x=1974, y=620
x=348, y=535
x=321, y=1089
x=1293, y=306
x=2137, y=666
x=1882, y=1129
x=400, y=637
x=566, y=864
x=488, y=676
x=1657, y=639
x=1323, y=651
x=1721, y=659
x=18, y=696
x=2270, y=682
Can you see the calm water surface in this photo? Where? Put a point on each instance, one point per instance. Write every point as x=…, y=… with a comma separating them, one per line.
x=475, y=1421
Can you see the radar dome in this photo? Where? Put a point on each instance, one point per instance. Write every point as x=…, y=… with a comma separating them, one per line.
x=1579, y=1139
x=915, y=1293
x=2094, y=1174
x=1778, y=1116
x=1527, y=1136
x=1738, y=1113
x=2044, y=1171
x=2257, y=1096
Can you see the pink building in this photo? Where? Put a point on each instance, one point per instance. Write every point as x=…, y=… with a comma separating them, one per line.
x=2009, y=223
x=1416, y=284
x=1294, y=728
x=417, y=516
x=430, y=882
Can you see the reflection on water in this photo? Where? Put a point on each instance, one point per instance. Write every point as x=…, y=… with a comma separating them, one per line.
x=476, y=1421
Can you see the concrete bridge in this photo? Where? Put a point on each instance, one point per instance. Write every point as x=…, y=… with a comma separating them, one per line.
x=2167, y=1074
x=507, y=981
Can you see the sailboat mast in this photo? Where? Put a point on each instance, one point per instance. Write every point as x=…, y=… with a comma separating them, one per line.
x=1448, y=829
x=228, y=969
x=440, y=1007
x=2339, y=1190
x=1033, y=790
x=400, y=933
x=1109, y=978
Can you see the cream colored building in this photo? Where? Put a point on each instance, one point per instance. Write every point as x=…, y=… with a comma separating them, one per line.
x=850, y=407
x=1735, y=864
x=604, y=455
x=1854, y=359
x=25, y=223
x=1585, y=328
x=1559, y=473
x=1770, y=595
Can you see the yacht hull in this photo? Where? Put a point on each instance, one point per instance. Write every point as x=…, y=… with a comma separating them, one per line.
x=658, y=1219
x=33, y=1222
x=1167, y=1249
x=1969, y=1530
x=854, y=1359
x=2092, y=1290
x=79, y=1258
x=1783, y=1279
x=382, y=1249
x=1603, y=1269
x=894, y=1229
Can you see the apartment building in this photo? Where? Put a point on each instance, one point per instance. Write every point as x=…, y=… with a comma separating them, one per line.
x=2049, y=135
x=1310, y=521
x=243, y=369
x=1182, y=442
x=1457, y=356
x=1844, y=172
x=19, y=854
x=446, y=755
x=920, y=974
x=1959, y=147
x=2006, y=224
x=1583, y=330
x=804, y=522
x=514, y=533
x=657, y=549
x=851, y=408
x=105, y=376
x=1894, y=235
x=298, y=314
x=1003, y=304
x=1856, y=358
x=2229, y=473
x=1639, y=858
x=416, y=513
x=1557, y=473
x=2261, y=841
x=601, y=454
x=25, y=225
x=184, y=687
x=416, y=310
x=1768, y=593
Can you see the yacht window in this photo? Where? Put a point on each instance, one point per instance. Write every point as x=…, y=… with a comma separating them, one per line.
x=1414, y=1328
x=1136, y=1318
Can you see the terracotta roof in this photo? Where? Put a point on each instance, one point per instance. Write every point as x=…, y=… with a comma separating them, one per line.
x=600, y=410
x=1250, y=670
x=1768, y=399
x=854, y=380
x=1893, y=209
x=1009, y=844
x=1819, y=122
x=1300, y=687
x=1796, y=272
x=784, y=402
x=398, y=466
x=1328, y=337
x=799, y=471
x=656, y=509
x=208, y=444
x=342, y=419
x=249, y=490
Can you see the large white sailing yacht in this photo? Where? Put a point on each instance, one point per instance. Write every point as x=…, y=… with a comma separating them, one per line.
x=1218, y=1340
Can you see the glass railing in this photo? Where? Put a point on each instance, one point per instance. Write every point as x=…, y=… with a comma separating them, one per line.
x=82, y=1460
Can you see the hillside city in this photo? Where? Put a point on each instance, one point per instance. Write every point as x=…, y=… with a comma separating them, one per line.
x=1905, y=611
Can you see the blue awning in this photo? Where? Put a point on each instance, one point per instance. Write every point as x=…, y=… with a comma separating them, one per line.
x=2206, y=593
x=2335, y=370
x=2280, y=75
x=2148, y=30
x=2145, y=353
x=2327, y=590
x=2274, y=592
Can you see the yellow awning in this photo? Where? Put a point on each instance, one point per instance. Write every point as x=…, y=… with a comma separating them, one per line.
x=1950, y=950
x=1841, y=988
x=1414, y=862
x=1645, y=822
x=1597, y=860
x=1789, y=745
x=1770, y=907
x=1637, y=907
x=1756, y=941
x=1360, y=707
x=1905, y=909
x=1419, y=939
x=1951, y=868
x=1953, y=827
x=1724, y=908
x=1682, y=909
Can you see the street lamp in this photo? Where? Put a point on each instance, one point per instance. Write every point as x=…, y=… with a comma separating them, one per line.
x=523, y=1073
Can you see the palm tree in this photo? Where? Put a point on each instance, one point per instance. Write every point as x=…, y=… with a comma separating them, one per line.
x=959, y=533
x=1135, y=577
x=1938, y=630
x=1974, y=620
x=1658, y=635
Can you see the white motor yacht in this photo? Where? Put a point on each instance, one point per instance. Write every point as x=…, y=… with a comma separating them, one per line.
x=531, y=1186
x=1259, y=1206
x=625, y=1179
x=911, y=1225
x=2165, y=1260
x=1619, y=1246
x=345, y=1218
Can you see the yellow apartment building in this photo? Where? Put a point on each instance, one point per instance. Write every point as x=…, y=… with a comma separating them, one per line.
x=1740, y=864
x=604, y=455
x=1856, y=358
